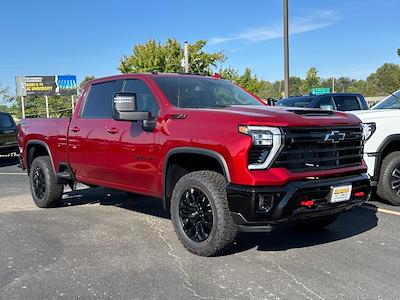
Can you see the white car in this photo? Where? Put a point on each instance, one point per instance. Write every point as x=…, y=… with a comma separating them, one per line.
x=382, y=147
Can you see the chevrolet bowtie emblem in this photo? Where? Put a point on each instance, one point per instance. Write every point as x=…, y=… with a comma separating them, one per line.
x=334, y=136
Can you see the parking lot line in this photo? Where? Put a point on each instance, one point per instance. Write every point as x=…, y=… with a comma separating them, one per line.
x=383, y=210
x=12, y=173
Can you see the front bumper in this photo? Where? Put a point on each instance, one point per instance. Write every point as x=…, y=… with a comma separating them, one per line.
x=8, y=149
x=285, y=205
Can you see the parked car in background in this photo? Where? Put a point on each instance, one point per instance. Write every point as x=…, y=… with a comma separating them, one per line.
x=8, y=134
x=382, y=147
x=332, y=101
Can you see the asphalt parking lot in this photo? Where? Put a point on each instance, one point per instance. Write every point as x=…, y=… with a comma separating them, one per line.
x=105, y=244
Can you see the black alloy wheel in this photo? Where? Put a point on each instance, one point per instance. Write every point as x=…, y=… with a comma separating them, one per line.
x=396, y=180
x=39, y=182
x=195, y=213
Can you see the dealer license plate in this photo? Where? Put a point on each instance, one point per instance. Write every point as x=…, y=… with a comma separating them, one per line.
x=340, y=193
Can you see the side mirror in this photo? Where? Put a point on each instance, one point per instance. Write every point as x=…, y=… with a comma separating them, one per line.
x=125, y=108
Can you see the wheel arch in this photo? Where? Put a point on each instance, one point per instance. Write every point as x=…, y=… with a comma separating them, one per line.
x=168, y=182
x=35, y=148
x=390, y=143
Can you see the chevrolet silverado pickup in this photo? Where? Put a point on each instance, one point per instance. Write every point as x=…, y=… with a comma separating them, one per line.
x=220, y=160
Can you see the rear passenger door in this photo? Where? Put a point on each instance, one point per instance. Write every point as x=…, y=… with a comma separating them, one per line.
x=88, y=134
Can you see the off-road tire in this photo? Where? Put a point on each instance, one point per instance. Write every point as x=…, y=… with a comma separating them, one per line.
x=317, y=224
x=384, y=189
x=53, y=191
x=224, y=230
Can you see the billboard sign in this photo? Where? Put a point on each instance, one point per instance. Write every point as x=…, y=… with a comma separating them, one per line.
x=46, y=85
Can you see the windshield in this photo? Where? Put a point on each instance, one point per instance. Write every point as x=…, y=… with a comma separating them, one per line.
x=5, y=121
x=295, y=102
x=390, y=102
x=202, y=92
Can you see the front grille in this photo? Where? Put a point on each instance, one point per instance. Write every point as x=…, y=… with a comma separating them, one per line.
x=306, y=148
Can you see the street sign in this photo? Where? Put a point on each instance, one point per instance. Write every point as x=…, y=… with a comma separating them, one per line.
x=46, y=85
x=320, y=91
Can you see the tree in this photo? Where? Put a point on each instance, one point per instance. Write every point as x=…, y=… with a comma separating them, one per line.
x=342, y=84
x=384, y=80
x=312, y=80
x=154, y=56
x=295, y=86
x=83, y=82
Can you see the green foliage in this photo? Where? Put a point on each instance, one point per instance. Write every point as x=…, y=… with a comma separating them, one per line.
x=154, y=56
x=312, y=80
x=83, y=82
x=384, y=80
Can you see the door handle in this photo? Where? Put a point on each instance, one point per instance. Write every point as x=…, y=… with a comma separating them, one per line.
x=112, y=130
x=75, y=129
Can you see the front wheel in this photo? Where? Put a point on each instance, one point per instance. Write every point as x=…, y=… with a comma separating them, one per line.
x=389, y=179
x=45, y=190
x=200, y=213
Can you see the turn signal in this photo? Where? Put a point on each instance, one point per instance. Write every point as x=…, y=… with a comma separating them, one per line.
x=307, y=203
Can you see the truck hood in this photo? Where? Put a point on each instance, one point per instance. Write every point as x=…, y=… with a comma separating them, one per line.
x=284, y=116
x=374, y=115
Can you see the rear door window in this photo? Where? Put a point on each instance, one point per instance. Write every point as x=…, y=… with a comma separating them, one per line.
x=346, y=103
x=98, y=104
x=5, y=121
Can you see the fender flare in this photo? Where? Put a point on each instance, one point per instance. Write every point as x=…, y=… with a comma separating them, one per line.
x=41, y=143
x=192, y=150
x=379, y=158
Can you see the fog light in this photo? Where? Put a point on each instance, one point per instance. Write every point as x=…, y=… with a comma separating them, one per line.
x=265, y=202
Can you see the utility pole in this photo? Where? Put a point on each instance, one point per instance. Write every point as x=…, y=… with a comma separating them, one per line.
x=47, y=106
x=333, y=84
x=23, y=106
x=286, y=46
x=186, y=57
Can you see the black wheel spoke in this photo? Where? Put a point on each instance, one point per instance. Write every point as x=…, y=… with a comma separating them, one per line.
x=396, y=180
x=195, y=215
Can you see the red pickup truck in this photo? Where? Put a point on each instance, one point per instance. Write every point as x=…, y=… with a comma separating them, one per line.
x=220, y=160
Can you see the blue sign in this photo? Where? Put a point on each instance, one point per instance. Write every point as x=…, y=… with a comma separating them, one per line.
x=67, y=82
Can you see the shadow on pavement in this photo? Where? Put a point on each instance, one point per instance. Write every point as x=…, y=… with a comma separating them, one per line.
x=347, y=225
x=6, y=161
x=104, y=196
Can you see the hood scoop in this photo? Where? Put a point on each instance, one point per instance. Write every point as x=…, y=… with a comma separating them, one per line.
x=312, y=112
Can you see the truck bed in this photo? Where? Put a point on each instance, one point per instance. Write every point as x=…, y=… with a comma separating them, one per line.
x=51, y=131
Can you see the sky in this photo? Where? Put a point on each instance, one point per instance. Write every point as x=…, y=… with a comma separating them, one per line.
x=338, y=37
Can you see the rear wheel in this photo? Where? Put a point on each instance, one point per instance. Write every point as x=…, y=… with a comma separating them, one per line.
x=45, y=190
x=200, y=213
x=389, y=179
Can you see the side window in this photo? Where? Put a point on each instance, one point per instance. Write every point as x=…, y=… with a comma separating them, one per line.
x=98, y=104
x=144, y=98
x=346, y=103
x=325, y=103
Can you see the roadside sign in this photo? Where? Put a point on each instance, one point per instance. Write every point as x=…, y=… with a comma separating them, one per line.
x=320, y=91
x=46, y=85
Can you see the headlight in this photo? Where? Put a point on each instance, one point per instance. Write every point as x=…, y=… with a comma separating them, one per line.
x=368, y=130
x=267, y=142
